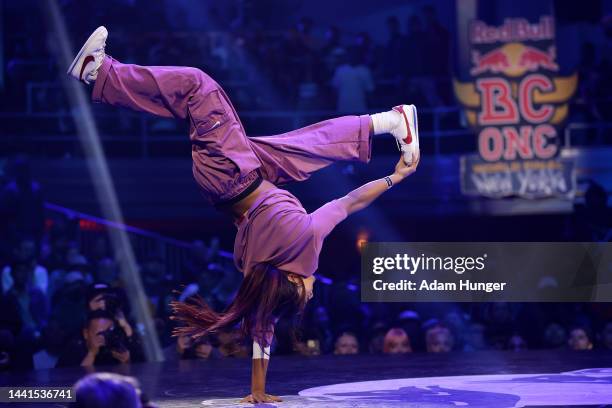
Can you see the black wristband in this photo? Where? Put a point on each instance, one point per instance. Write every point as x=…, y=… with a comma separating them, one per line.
x=389, y=182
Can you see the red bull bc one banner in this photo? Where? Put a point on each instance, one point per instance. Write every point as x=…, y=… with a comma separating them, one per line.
x=517, y=101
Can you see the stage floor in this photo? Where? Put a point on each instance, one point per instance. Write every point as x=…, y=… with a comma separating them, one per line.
x=480, y=379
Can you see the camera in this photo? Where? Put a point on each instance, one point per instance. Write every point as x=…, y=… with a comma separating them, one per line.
x=114, y=339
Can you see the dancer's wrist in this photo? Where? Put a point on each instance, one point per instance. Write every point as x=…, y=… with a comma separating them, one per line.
x=396, y=178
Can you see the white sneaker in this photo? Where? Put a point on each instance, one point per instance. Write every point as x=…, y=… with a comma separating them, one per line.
x=88, y=60
x=406, y=133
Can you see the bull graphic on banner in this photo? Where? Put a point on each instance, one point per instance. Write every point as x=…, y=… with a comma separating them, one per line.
x=517, y=102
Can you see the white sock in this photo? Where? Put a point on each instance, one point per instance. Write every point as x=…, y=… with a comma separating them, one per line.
x=384, y=122
x=93, y=76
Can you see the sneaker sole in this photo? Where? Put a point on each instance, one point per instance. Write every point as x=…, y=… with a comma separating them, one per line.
x=79, y=57
x=414, y=124
x=409, y=113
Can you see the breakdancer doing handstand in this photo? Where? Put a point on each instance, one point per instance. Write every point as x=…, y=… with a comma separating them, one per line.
x=277, y=243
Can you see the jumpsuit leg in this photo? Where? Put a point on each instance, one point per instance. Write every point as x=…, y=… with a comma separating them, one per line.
x=295, y=155
x=224, y=163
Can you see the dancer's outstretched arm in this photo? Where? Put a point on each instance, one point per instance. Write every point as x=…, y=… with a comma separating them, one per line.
x=363, y=196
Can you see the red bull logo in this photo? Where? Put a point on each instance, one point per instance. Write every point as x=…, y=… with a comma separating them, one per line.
x=495, y=61
x=532, y=59
x=513, y=60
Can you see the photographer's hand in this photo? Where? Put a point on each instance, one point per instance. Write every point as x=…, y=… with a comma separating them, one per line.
x=123, y=323
x=122, y=356
x=93, y=347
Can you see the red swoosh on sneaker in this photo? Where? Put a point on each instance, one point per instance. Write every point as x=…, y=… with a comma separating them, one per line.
x=86, y=61
x=408, y=138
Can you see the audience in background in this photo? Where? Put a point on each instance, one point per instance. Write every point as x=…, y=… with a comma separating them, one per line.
x=44, y=310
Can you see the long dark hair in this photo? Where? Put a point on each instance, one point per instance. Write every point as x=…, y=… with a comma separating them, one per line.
x=265, y=294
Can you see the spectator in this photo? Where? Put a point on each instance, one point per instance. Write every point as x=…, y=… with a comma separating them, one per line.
x=177, y=350
x=555, y=336
x=59, y=243
x=579, y=339
x=396, y=342
x=204, y=350
x=107, y=271
x=113, y=300
x=310, y=347
x=26, y=252
x=410, y=321
x=32, y=302
x=78, y=265
x=377, y=340
x=353, y=81
x=102, y=390
x=346, y=343
x=439, y=339
x=231, y=344
x=185, y=348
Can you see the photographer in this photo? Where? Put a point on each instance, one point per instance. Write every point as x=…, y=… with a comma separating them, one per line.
x=100, y=296
x=103, y=342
